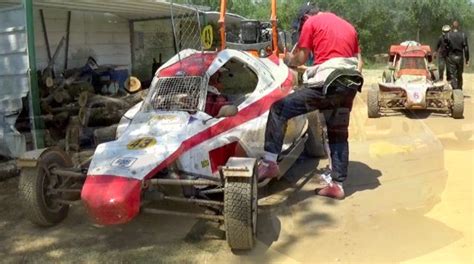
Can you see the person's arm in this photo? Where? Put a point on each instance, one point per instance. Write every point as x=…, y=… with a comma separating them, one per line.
x=438, y=45
x=466, y=49
x=360, y=62
x=298, y=57
x=301, y=52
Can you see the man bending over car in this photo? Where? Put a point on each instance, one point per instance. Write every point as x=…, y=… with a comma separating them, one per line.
x=330, y=84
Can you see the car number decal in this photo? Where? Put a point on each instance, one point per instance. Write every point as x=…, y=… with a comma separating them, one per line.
x=207, y=37
x=141, y=143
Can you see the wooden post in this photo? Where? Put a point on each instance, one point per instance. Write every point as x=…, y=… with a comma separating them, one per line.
x=222, y=23
x=274, y=22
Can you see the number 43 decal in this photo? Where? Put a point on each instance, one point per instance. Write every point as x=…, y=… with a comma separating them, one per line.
x=141, y=143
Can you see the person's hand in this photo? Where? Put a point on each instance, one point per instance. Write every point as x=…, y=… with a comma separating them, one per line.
x=301, y=68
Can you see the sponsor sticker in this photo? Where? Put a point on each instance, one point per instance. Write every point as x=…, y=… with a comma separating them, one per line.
x=205, y=164
x=163, y=118
x=141, y=143
x=125, y=162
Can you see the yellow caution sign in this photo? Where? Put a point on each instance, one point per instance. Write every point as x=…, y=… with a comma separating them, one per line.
x=141, y=143
x=207, y=37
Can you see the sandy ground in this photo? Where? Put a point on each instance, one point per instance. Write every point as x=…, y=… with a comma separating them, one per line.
x=409, y=200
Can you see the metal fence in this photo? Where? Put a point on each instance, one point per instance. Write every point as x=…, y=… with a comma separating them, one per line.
x=186, y=28
x=178, y=94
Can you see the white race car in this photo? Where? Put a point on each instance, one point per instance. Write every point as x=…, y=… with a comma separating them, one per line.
x=182, y=134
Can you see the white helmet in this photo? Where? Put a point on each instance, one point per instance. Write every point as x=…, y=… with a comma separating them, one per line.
x=446, y=28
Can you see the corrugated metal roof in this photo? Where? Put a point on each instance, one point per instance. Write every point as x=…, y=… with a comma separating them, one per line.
x=132, y=10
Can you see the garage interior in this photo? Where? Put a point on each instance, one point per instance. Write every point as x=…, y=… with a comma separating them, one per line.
x=71, y=60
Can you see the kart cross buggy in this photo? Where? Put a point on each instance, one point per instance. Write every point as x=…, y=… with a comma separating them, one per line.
x=410, y=82
x=201, y=128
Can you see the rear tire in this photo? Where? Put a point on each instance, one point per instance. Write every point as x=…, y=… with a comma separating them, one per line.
x=240, y=211
x=314, y=146
x=373, y=107
x=33, y=186
x=457, y=109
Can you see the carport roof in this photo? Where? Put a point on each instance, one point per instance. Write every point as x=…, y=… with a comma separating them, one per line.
x=132, y=10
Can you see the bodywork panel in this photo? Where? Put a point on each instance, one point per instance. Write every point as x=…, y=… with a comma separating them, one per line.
x=155, y=139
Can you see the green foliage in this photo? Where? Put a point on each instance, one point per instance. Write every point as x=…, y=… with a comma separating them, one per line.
x=380, y=23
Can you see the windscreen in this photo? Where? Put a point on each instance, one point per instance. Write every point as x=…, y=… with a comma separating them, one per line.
x=412, y=64
x=177, y=94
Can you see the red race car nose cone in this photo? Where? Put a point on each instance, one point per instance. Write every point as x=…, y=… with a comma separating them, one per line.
x=111, y=200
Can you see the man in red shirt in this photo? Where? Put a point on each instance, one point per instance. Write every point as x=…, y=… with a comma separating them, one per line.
x=331, y=84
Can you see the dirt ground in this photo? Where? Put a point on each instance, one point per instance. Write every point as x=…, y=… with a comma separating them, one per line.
x=409, y=200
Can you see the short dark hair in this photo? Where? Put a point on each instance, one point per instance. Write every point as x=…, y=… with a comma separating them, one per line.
x=307, y=9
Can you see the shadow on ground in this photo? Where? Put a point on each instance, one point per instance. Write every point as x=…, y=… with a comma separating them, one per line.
x=300, y=226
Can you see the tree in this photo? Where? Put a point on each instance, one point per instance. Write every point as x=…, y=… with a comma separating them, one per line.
x=379, y=23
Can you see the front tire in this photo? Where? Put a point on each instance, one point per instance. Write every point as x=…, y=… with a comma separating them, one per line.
x=457, y=109
x=240, y=211
x=373, y=107
x=34, y=189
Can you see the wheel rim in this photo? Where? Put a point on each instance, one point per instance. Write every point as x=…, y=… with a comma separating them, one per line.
x=50, y=181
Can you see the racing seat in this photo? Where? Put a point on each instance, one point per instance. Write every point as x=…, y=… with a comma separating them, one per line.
x=214, y=103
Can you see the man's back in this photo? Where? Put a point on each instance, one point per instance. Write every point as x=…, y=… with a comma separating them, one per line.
x=456, y=42
x=329, y=36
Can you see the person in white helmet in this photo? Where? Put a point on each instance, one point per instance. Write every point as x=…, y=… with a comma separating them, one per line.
x=442, y=51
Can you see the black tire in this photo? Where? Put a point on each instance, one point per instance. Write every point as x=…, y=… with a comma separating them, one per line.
x=373, y=107
x=37, y=205
x=457, y=109
x=240, y=211
x=314, y=146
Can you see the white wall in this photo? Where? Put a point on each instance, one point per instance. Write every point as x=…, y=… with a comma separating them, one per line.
x=103, y=36
x=151, y=38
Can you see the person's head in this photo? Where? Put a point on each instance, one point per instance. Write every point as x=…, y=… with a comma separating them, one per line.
x=456, y=25
x=445, y=29
x=307, y=10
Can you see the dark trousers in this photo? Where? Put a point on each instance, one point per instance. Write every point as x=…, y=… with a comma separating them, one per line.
x=305, y=100
x=455, y=66
x=441, y=67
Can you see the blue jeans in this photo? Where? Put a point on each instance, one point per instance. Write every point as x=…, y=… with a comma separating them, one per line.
x=305, y=100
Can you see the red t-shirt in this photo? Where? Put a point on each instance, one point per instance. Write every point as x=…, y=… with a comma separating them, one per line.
x=329, y=36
